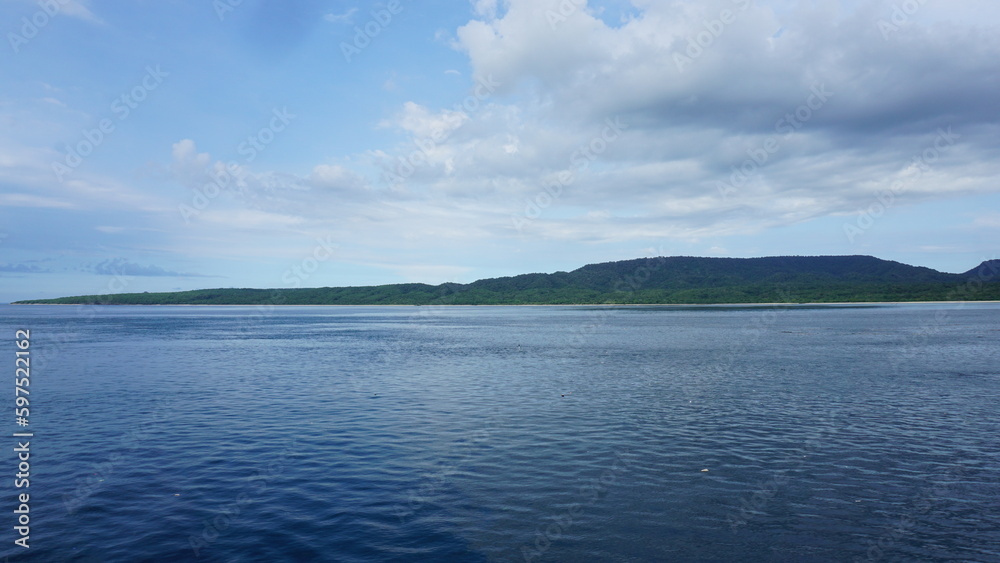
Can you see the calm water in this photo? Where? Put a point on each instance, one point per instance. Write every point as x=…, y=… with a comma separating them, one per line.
x=510, y=434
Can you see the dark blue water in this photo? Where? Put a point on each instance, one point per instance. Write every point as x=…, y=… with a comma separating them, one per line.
x=509, y=434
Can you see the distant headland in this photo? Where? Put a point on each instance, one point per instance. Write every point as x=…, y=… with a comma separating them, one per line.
x=661, y=280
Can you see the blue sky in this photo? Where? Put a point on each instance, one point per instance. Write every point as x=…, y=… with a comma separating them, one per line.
x=157, y=146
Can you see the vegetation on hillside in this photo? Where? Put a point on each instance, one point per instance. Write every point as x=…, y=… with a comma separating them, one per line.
x=675, y=280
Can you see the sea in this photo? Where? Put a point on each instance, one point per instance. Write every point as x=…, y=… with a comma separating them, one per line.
x=502, y=434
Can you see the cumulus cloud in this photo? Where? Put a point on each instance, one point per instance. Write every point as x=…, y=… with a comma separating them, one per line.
x=220, y=191
x=422, y=122
x=675, y=120
x=485, y=8
x=737, y=116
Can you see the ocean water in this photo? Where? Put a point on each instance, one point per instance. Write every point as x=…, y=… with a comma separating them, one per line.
x=482, y=434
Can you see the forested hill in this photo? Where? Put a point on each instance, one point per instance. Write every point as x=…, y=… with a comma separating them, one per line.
x=674, y=280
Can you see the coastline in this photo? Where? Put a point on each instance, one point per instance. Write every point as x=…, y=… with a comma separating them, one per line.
x=779, y=304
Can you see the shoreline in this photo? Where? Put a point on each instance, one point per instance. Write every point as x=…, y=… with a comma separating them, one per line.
x=779, y=304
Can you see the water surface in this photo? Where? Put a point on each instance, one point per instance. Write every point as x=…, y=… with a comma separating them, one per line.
x=512, y=433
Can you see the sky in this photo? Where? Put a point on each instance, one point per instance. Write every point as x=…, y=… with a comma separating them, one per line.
x=162, y=145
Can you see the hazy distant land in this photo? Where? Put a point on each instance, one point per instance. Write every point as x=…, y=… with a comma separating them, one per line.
x=673, y=280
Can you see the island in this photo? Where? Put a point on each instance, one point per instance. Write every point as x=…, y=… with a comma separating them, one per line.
x=659, y=280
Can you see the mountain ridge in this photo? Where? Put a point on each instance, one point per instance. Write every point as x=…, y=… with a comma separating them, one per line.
x=666, y=280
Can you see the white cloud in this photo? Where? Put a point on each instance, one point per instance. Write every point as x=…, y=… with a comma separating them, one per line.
x=988, y=221
x=423, y=123
x=188, y=165
x=485, y=8
x=346, y=17
x=686, y=130
x=53, y=101
x=336, y=177
x=691, y=124
x=29, y=200
x=79, y=9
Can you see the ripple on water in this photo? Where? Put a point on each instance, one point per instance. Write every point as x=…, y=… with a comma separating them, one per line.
x=495, y=434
